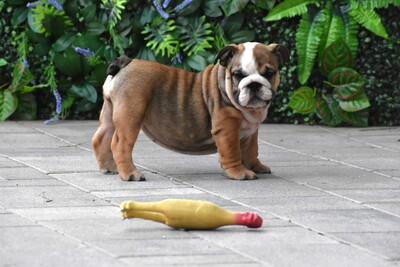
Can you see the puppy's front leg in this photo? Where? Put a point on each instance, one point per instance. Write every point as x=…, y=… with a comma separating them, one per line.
x=227, y=138
x=250, y=159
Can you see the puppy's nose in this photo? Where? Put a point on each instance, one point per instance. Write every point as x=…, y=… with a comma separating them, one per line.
x=254, y=86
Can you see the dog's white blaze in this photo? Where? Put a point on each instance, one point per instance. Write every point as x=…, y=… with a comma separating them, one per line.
x=247, y=60
x=108, y=85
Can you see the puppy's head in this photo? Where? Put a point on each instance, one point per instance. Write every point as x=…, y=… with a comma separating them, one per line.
x=251, y=74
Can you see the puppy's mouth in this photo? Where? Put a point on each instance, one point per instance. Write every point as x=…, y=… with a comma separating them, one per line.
x=250, y=98
x=254, y=92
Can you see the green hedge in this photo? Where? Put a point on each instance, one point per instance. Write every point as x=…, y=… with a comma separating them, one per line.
x=377, y=59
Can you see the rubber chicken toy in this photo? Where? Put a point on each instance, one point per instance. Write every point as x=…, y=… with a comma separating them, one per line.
x=188, y=214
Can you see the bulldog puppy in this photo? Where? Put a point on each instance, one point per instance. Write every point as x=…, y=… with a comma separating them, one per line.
x=217, y=110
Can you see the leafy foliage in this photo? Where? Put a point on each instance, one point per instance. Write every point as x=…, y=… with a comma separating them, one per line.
x=346, y=102
x=65, y=46
x=324, y=22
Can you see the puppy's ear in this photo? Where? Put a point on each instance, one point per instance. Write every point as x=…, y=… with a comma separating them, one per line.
x=281, y=52
x=225, y=55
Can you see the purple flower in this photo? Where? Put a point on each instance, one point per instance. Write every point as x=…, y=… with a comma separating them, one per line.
x=160, y=10
x=26, y=64
x=55, y=4
x=32, y=4
x=182, y=5
x=51, y=121
x=58, y=101
x=166, y=3
x=179, y=58
x=85, y=52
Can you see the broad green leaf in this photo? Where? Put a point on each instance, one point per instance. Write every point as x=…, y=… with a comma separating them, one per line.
x=64, y=42
x=89, y=12
x=242, y=36
x=356, y=103
x=334, y=107
x=308, y=37
x=211, y=8
x=231, y=7
x=8, y=104
x=85, y=91
x=265, y=4
x=367, y=18
x=347, y=91
x=342, y=75
x=324, y=112
x=359, y=118
x=336, y=55
x=289, y=8
x=26, y=108
x=197, y=62
x=69, y=63
x=19, y=15
x=303, y=100
x=95, y=28
x=3, y=62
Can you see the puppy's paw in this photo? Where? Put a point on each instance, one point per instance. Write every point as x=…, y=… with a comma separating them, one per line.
x=240, y=173
x=135, y=175
x=109, y=171
x=261, y=168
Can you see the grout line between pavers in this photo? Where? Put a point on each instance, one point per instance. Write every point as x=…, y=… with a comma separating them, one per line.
x=358, y=141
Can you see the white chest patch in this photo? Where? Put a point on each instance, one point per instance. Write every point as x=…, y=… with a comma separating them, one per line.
x=108, y=85
x=247, y=60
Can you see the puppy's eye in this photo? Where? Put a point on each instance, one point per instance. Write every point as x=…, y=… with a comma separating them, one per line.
x=239, y=75
x=269, y=73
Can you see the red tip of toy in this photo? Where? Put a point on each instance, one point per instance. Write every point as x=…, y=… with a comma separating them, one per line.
x=249, y=219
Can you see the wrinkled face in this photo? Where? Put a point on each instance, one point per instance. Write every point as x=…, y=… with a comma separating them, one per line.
x=255, y=76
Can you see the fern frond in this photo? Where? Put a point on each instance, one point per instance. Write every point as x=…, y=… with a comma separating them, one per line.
x=350, y=31
x=289, y=8
x=308, y=37
x=334, y=29
x=372, y=4
x=367, y=18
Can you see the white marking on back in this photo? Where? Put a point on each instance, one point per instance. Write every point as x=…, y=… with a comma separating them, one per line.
x=247, y=60
x=108, y=85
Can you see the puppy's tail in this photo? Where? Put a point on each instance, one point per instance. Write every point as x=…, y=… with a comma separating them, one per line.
x=117, y=64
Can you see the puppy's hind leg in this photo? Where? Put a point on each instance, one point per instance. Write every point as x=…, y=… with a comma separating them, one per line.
x=127, y=127
x=101, y=140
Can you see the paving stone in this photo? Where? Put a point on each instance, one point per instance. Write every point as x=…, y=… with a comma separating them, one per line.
x=391, y=207
x=113, y=228
x=39, y=246
x=46, y=196
x=192, y=260
x=385, y=243
x=23, y=173
x=30, y=182
x=13, y=220
x=161, y=247
x=80, y=161
x=96, y=181
x=371, y=195
x=69, y=213
x=265, y=186
x=288, y=206
x=347, y=220
x=6, y=163
x=336, y=177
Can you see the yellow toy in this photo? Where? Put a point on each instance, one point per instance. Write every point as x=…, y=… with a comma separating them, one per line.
x=188, y=214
